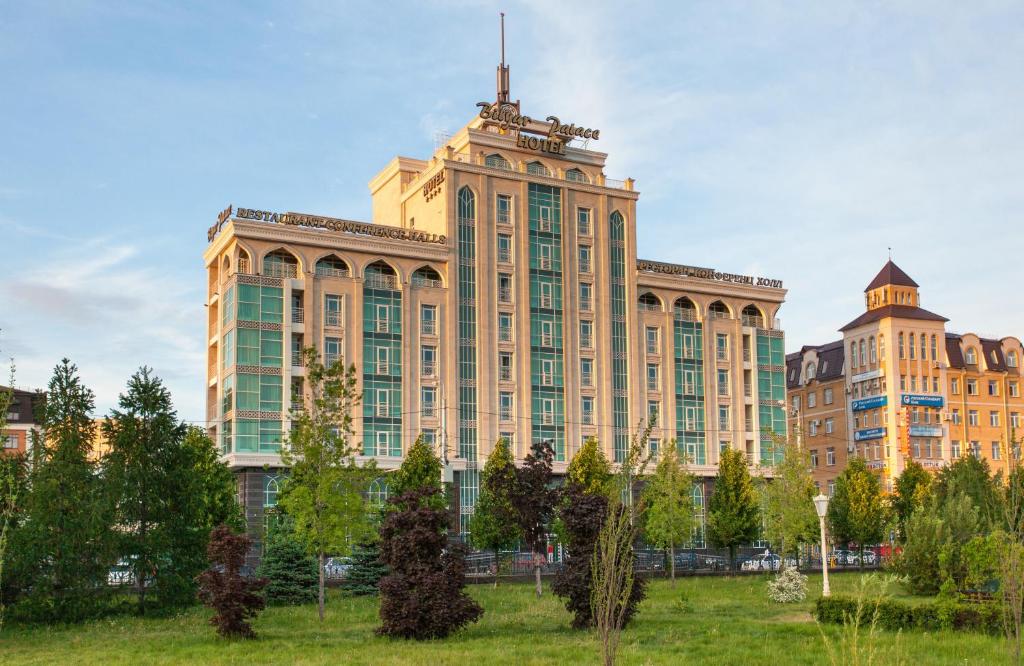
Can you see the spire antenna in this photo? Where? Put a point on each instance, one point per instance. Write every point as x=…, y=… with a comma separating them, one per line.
x=503, y=68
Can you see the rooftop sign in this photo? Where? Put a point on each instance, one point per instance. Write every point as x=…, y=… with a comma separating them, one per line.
x=507, y=117
x=332, y=224
x=705, y=274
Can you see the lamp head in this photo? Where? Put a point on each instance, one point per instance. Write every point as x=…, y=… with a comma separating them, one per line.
x=821, y=504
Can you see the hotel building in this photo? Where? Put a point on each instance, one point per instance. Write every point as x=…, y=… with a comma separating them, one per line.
x=898, y=387
x=496, y=293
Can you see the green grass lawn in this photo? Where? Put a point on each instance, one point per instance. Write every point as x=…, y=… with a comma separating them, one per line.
x=722, y=621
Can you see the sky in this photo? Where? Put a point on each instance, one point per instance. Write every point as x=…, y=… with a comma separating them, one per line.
x=798, y=141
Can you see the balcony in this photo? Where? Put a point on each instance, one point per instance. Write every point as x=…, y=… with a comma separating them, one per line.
x=585, y=305
x=504, y=294
x=501, y=164
x=429, y=410
x=652, y=347
x=297, y=360
x=244, y=267
x=587, y=379
x=755, y=322
x=331, y=359
x=652, y=384
x=648, y=307
x=429, y=369
x=715, y=314
x=426, y=282
x=505, y=413
x=748, y=391
x=586, y=342
x=747, y=356
x=504, y=255
x=298, y=315
x=381, y=281
x=588, y=418
x=281, y=270
x=505, y=374
x=332, y=318
x=428, y=327
x=326, y=272
x=585, y=267
x=504, y=334
x=722, y=355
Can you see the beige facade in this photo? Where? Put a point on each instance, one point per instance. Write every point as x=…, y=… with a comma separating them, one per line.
x=497, y=293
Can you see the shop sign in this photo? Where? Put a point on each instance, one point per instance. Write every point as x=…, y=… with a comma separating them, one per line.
x=921, y=400
x=705, y=273
x=868, y=434
x=344, y=226
x=932, y=463
x=433, y=186
x=925, y=431
x=222, y=217
x=873, y=402
x=864, y=376
x=876, y=464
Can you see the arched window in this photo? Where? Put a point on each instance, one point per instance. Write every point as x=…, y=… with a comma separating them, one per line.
x=467, y=206
x=281, y=263
x=863, y=354
x=881, y=347
x=537, y=169
x=872, y=350
x=752, y=316
x=810, y=371
x=684, y=309
x=225, y=268
x=902, y=350
x=381, y=275
x=576, y=176
x=853, y=355
x=425, y=276
x=971, y=357
x=913, y=347
x=377, y=494
x=496, y=161
x=935, y=349
x=699, y=515
x=244, y=262
x=649, y=301
x=924, y=347
x=1011, y=358
x=271, y=489
x=332, y=266
x=719, y=310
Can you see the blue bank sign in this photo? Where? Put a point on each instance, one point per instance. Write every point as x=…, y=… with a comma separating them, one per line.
x=921, y=400
x=868, y=434
x=869, y=403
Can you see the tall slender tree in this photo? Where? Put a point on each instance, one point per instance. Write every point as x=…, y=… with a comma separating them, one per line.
x=733, y=511
x=150, y=475
x=64, y=546
x=913, y=488
x=494, y=526
x=788, y=500
x=669, y=517
x=590, y=470
x=534, y=502
x=325, y=491
x=213, y=483
x=421, y=468
x=857, y=511
x=13, y=486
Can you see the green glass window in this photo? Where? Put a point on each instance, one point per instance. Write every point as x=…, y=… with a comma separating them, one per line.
x=228, y=348
x=228, y=393
x=248, y=302
x=228, y=306
x=247, y=432
x=248, y=346
x=270, y=393
x=247, y=393
x=270, y=436
x=270, y=348
x=272, y=305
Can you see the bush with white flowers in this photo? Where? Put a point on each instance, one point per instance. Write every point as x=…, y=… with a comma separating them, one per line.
x=789, y=586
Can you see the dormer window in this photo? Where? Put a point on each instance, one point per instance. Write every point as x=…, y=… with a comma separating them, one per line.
x=810, y=371
x=971, y=357
x=1011, y=359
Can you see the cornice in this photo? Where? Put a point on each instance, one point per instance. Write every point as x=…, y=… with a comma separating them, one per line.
x=354, y=243
x=601, y=190
x=710, y=287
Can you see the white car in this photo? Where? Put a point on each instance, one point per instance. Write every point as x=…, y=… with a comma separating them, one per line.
x=767, y=562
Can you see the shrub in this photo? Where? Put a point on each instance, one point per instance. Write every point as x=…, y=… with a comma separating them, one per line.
x=898, y=615
x=789, y=586
x=223, y=588
x=422, y=597
x=290, y=571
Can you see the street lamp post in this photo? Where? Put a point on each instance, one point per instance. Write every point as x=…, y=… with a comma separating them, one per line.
x=821, y=506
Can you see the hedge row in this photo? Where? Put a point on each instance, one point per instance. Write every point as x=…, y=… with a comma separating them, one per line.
x=984, y=617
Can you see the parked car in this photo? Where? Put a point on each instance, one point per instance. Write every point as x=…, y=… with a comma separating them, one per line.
x=764, y=562
x=121, y=573
x=713, y=562
x=337, y=567
x=844, y=557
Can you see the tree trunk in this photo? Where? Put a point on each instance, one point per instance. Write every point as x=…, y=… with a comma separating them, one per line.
x=536, y=573
x=860, y=560
x=320, y=598
x=672, y=563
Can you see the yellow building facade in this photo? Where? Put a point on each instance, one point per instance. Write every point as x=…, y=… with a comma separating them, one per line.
x=914, y=391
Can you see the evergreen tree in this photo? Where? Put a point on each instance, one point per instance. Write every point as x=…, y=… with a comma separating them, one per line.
x=788, y=500
x=493, y=525
x=422, y=597
x=733, y=517
x=159, y=515
x=669, y=517
x=213, y=482
x=534, y=502
x=290, y=570
x=857, y=511
x=64, y=547
x=13, y=489
x=325, y=490
x=367, y=570
x=421, y=468
x=971, y=475
x=913, y=488
x=589, y=469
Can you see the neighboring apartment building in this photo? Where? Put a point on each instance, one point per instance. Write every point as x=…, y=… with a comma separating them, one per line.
x=21, y=420
x=816, y=385
x=915, y=392
x=497, y=293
